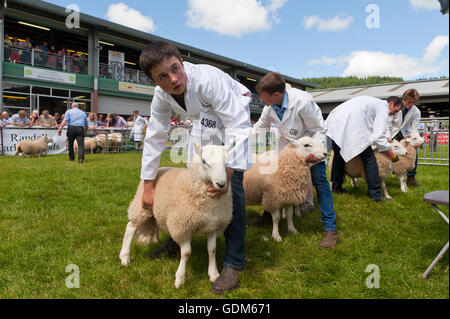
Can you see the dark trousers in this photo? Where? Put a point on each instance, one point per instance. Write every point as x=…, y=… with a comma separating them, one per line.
x=76, y=132
x=370, y=169
x=235, y=232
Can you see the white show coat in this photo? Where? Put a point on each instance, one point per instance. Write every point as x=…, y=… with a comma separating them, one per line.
x=302, y=117
x=139, y=124
x=356, y=124
x=209, y=91
x=409, y=126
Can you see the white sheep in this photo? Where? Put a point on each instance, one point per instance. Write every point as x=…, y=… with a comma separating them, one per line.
x=33, y=147
x=287, y=185
x=90, y=143
x=115, y=141
x=183, y=208
x=407, y=163
x=100, y=140
x=355, y=167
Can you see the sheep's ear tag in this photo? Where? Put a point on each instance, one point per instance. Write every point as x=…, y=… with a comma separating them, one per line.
x=290, y=140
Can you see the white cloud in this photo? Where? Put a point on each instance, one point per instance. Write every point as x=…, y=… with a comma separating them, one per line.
x=337, y=23
x=372, y=63
x=232, y=17
x=425, y=4
x=122, y=14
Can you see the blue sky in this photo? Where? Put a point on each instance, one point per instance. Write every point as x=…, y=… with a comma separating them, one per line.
x=298, y=38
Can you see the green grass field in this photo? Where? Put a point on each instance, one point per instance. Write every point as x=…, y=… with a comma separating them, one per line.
x=54, y=213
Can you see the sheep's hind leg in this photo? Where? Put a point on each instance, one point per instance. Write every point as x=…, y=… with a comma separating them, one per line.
x=383, y=187
x=126, y=245
x=181, y=272
x=276, y=219
x=289, y=215
x=403, y=185
x=213, y=273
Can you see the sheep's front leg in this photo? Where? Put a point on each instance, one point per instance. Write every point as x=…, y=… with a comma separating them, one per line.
x=289, y=215
x=383, y=187
x=354, y=181
x=181, y=272
x=403, y=185
x=276, y=218
x=213, y=273
x=126, y=245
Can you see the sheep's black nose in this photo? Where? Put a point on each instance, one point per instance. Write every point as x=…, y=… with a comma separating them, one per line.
x=221, y=185
x=325, y=154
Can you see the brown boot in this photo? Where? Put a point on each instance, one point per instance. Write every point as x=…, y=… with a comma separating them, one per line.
x=329, y=239
x=265, y=219
x=411, y=181
x=227, y=281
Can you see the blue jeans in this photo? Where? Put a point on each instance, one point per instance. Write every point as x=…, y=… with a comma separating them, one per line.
x=235, y=232
x=324, y=196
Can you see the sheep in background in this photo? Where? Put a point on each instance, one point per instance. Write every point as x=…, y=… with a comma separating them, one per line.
x=183, y=208
x=90, y=143
x=284, y=186
x=355, y=168
x=115, y=140
x=101, y=142
x=33, y=147
x=407, y=163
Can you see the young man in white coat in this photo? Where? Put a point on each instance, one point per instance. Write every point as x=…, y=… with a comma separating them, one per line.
x=295, y=114
x=404, y=123
x=207, y=95
x=352, y=127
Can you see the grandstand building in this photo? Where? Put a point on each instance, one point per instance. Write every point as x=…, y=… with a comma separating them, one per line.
x=48, y=63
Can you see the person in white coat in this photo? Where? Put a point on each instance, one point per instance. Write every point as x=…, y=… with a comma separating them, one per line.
x=295, y=114
x=404, y=123
x=137, y=130
x=216, y=104
x=352, y=128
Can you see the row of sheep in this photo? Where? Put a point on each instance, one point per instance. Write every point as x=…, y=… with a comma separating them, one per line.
x=103, y=142
x=284, y=189
x=40, y=146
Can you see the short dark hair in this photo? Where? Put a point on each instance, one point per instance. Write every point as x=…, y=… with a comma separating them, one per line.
x=396, y=100
x=136, y=111
x=155, y=53
x=271, y=83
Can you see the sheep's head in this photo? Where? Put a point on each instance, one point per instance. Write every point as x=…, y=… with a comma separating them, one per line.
x=308, y=148
x=398, y=148
x=47, y=139
x=414, y=140
x=212, y=161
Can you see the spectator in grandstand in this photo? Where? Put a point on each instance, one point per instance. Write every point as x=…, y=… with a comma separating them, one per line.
x=20, y=119
x=76, y=62
x=51, y=60
x=5, y=119
x=7, y=43
x=15, y=51
x=57, y=118
x=34, y=118
x=46, y=120
x=27, y=47
x=110, y=121
x=44, y=48
x=119, y=121
x=100, y=121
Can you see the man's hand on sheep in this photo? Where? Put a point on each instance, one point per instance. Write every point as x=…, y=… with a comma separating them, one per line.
x=213, y=192
x=147, y=196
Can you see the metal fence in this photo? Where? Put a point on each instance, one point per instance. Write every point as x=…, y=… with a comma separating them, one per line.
x=435, y=150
